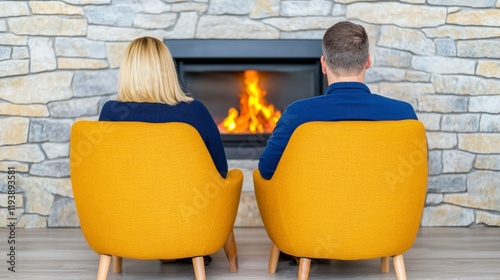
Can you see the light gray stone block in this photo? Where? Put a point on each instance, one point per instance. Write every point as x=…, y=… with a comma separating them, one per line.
x=410, y=40
x=435, y=162
x=20, y=53
x=441, y=140
x=231, y=7
x=152, y=6
x=487, y=218
x=79, y=47
x=480, y=17
x=219, y=27
x=189, y=7
x=155, y=21
x=47, y=26
x=42, y=130
x=483, y=191
x=447, y=183
x=461, y=33
x=392, y=58
x=3, y=25
x=445, y=47
x=37, y=200
x=447, y=215
x=491, y=162
x=306, y=8
x=339, y=10
x=417, y=76
x=5, y=53
x=56, y=150
x=482, y=48
x=32, y=221
x=485, y=104
x=57, y=187
x=399, y=14
x=408, y=92
x=442, y=104
x=467, y=3
x=457, y=161
x=431, y=121
x=489, y=123
x=185, y=26
x=51, y=168
x=302, y=23
x=42, y=88
x=89, y=83
x=120, y=34
x=63, y=213
x=87, y=2
x=380, y=74
x=14, y=67
x=460, y=122
x=465, y=85
x=13, y=9
x=443, y=65
x=433, y=198
x=12, y=40
x=312, y=34
x=120, y=15
x=22, y=153
x=42, y=54
x=75, y=107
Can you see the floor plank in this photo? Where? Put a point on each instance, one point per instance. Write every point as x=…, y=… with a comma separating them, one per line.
x=439, y=253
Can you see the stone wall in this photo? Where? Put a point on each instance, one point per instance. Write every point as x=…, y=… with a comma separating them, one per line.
x=59, y=63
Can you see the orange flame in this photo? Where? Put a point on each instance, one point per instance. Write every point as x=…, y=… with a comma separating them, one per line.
x=256, y=116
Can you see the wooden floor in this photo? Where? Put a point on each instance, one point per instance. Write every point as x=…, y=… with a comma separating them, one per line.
x=439, y=253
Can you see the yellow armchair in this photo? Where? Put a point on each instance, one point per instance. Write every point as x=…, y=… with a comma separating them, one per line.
x=347, y=191
x=151, y=191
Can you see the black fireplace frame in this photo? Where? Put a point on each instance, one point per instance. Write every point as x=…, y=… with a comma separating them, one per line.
x=223, y=54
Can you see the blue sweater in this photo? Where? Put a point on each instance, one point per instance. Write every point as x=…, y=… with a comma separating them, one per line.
x=341, y=102
x=193, y=113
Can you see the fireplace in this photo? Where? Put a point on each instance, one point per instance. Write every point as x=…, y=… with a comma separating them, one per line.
x=246, y=84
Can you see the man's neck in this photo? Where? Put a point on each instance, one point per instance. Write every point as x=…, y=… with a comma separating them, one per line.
x=332, y=78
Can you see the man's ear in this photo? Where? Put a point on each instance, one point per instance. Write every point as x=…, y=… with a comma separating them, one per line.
x=323, y=64
x=368, y=62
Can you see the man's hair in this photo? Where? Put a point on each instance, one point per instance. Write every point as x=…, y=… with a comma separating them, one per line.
x=147, y=74
x=345, y=48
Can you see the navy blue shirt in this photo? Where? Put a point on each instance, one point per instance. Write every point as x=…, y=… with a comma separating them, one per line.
x=193, y=113
x=341, y=102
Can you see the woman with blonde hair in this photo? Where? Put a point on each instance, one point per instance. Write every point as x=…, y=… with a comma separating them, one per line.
x=149, y=91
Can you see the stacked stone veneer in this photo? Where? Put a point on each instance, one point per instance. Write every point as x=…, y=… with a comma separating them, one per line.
x=59, y=63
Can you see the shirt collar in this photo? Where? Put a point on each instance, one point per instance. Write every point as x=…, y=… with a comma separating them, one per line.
x=340, y=87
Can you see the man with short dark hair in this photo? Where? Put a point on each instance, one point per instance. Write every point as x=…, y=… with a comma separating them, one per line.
x=344, y=62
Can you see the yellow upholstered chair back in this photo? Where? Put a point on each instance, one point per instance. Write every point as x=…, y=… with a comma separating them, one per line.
x=347, y=190
x=150, y=191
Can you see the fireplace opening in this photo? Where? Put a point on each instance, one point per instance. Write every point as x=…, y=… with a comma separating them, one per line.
x=247, y=84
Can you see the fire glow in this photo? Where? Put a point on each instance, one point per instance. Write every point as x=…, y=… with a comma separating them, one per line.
x=255, y=116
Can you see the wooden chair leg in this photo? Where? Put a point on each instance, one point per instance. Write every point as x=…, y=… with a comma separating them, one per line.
x=199, y=268
x=385, y=264
x=117, y=264
x=399, y=266
x=231, y=253
x=304, y=266
x=273, y=259
x=104, y=263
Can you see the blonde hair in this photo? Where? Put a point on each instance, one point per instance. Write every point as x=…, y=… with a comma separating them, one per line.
x=147, y=74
